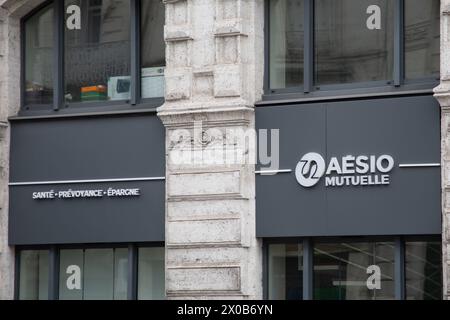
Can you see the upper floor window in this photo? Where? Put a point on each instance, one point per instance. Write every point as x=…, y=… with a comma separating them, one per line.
x=326, y=44
x=38, y=35
x=94, y=52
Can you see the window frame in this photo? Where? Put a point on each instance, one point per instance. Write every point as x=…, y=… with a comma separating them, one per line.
x=308, y=244
x=397, y=85
x=54, y=264
x=59, y=107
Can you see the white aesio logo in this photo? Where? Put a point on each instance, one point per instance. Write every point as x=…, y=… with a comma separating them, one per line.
x=348, y=171
x=310, y=169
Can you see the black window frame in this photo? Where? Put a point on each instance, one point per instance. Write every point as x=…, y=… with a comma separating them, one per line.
x=60, y=107
x=309, y=90
x=308, y=258
x=54, y=264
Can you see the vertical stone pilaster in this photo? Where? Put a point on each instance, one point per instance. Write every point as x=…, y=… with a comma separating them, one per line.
x=11, y=11
x=213, y=78
x=442, y=94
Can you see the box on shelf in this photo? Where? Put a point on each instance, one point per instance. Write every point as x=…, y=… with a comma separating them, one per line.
x=152, y=82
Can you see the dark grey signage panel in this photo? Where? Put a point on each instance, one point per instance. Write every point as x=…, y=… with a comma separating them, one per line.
x=406, y=129
x=87, y=148
x=87, y=180
x=87, y=220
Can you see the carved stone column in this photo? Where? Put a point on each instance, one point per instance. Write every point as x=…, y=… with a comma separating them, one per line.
x=442, y=94
x=214, y=76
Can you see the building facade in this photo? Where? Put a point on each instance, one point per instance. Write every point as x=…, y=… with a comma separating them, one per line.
x=224, y=149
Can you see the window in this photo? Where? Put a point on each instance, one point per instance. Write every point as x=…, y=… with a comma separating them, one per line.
x=361, y=268
x=102, y=53
x=92, y=273
x=423, y=270
x=151, y=282
x=286, y=43
x=342, y=270
x=286, y=265
x=422, y=41
x=38, y=77
x=33, y=282
x=97, y=56
x=319, y=45
x=152, y=49
x=346, y=50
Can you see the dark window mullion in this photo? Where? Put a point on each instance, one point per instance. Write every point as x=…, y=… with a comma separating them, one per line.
x=308, y=46
x=132, y=272
x=267, y=88
x=308, y=269
x=58, y=55
x=399, y=278
x=53, y=274
x=135, y=51
x=399, y=47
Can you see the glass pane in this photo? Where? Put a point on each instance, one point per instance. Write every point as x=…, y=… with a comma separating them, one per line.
x=351, y=44
x=151, y=274
x=153, y=48
x=38, y=58
x=286, y=43
x=120, y=274
x=354, y=271
x=98, y=274
x=423, y=270
x=422, y=42
x=285, y=272
x=33, y=277
x=71, y=271
x=97, y=54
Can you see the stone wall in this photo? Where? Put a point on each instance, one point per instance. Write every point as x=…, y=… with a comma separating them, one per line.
x=214, y=75
x=11, y=12
x=442, y=94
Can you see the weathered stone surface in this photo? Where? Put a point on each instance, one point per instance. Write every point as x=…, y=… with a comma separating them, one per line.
x=442, y=94
x=11, y=11
x=211, y=248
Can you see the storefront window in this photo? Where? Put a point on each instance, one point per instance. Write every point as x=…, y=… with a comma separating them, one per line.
x=93, y=274
x=350, y=46
x=286, y=43
x=152, y=49
x=422, y=40
x=423, y=270
x=33, y=279
x=286, y=277
x=354, y=271
x=39, y=58
x=97, y=52
x=151, y=280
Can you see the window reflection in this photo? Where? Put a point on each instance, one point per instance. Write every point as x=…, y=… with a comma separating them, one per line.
x=422, y=34
x=151, y=279
x=286, y=271
x=39, y=58
x=286, y=43
x=342, y=271
x=423, y=270
x=97, y=56
x=153, y=49
x=33, y=277
x=347, y=50
x=93, y=274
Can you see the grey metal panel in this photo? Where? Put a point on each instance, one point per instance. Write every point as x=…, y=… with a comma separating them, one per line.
x=408, y=128
x=87, y=148
x=84, y=149
x=278, y=199
x=103, y=220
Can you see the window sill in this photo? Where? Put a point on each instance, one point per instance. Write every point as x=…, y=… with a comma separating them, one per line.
x=347, y=94
x=89, y=111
